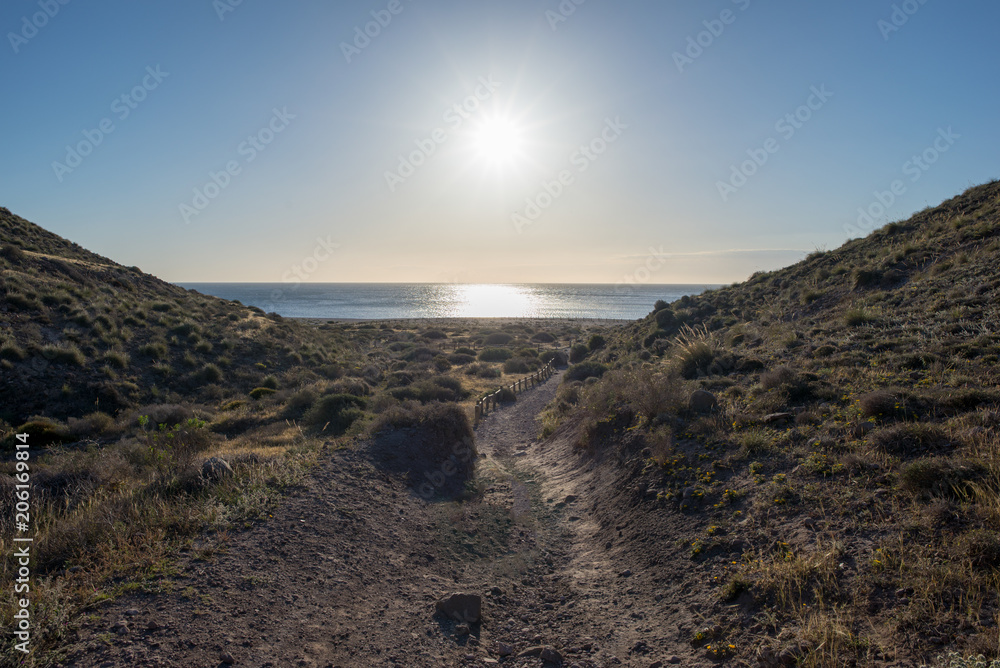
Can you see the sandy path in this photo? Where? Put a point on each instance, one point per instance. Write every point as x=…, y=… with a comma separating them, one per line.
x=347, y=570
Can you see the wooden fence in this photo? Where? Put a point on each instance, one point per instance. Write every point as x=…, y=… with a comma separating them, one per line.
x=490, y=402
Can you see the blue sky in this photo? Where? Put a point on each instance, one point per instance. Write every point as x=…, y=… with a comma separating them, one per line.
x=263, y=137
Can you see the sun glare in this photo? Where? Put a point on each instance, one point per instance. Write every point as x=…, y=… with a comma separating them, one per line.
x=493, y=301
x=497, y=140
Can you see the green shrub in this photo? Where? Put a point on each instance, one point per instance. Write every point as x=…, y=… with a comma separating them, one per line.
x=665, y=318
x=465, y=351
x=116, y=358
x=910, y=438
x=856, y=317
x=21, y=302
x=498, y=339
x=270, y=382
x=335, y=412
x=9, y=350
x=880, y=403
x=585, y=370
x=11, y=253
x=460, y=359
x=596, y=342
x=41, y=431
x=558, y=358
x=940, y=476
x=867, y=278
x=495, y=355
x=210, y=374
x=578, y=353
x=543, y=337
x=694, y=357
x=300, y=402
x=64, y=355
x=483, y=370
x=156, y=350
x=516, y=366
x=440, y=388
x=260, y=392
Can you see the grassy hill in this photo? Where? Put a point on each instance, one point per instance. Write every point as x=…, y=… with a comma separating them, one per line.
x=840, y=503
x=127, y=384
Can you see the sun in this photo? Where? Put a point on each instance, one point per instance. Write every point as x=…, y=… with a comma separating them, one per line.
x=497, y=140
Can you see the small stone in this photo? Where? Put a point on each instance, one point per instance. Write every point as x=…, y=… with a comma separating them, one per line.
x=121, y=628
x=132, y=612
x=656, y=664
x=570, y=498
x=461, y=607
x=549, y=654
x=216, y=468
x=674, y=659
x=531, y=651
x=503, y=649
x=626, y=573
x=462, y=630
x=152, y=625
x=227, y=658
x=777, y=417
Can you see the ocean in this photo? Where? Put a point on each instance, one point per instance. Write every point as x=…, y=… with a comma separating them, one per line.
x=392, y=301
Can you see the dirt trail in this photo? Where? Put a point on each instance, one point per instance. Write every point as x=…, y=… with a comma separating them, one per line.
x=347, y=570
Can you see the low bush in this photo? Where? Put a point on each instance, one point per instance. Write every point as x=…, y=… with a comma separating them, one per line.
x=64, y=355
x=41, y=431
x=578, y=353
x=910, y=439
x=261, y=392
x=498, y=339
x=335, y=412
x=557, y=357
x=585, y=370
x=495, y=355
x=940, y=476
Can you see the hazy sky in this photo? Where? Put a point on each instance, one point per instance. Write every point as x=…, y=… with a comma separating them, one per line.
x=488, y=141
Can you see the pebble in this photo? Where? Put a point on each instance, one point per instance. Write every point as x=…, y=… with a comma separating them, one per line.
x=227, y=658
